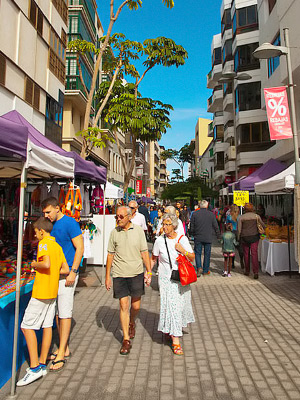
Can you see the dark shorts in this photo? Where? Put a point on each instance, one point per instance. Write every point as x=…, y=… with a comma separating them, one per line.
x=133, y=286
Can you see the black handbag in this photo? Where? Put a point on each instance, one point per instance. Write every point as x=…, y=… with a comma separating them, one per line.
x=175, y=273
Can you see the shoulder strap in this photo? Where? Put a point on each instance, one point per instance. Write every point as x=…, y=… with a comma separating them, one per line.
x=180, y=238
x=168, y=252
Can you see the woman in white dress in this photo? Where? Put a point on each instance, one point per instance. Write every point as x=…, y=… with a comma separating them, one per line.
x=176, y=309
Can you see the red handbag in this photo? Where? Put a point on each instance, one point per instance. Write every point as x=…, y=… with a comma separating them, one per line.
x=186, y=269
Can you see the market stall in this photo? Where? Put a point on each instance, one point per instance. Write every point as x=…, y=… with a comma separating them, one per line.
x=21, y=158
x=277, y=250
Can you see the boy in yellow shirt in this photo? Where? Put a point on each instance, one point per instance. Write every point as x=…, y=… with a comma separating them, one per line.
x=40, y=311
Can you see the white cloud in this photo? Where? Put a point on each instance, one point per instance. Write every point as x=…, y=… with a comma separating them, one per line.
x=181, y=114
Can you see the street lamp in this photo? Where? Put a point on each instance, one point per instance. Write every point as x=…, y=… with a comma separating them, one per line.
x=266, y=51
x=228, y=77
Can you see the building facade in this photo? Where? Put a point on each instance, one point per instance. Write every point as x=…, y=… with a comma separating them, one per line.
x=202, y=140
x=33, y=39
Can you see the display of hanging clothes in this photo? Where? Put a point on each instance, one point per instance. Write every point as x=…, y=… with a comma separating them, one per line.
x=73, y=203
x=54, y=190
x=84, y=190
x=36, y=200
x=97, y=200
x=44, y=191
x=87, y=253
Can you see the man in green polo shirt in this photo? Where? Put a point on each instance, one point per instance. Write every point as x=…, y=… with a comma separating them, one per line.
x=126, y=253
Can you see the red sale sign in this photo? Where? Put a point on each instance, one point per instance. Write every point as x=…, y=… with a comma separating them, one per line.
x=148, y=192
x=278, y=113
x=139, y=186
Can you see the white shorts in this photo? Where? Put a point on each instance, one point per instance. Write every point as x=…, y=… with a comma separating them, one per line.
x=65, y=299
x=39, y=314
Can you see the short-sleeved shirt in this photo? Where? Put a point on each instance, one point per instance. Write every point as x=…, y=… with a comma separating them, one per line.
x=127, y=245
x=160, y=250
x=140, y=220
x=46, y=281
x=64, y=230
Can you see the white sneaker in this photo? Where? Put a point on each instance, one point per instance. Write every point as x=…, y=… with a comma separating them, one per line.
x=44, y=369
x=229, y=275
x=30, y=377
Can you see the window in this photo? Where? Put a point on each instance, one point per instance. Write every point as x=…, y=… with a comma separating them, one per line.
x=64, y=37
x=253, y=133
x=244, y=59
x=74, y=25
x=273, y=63
x=2, y=69
x=219, y=133
x=245, y=20
x=248, y=96
x=32, y=93
x=54, y=112
x=227, y=51
x=36, y=16
x=226, y=20
x=57, y=53
x=271, y=5
x=62, y=9
x=227, y=88
x=217, y=56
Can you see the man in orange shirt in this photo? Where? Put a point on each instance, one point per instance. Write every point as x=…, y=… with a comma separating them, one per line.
x=40, y=311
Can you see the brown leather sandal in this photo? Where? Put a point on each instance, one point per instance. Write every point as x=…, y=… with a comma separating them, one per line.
x=126, y=346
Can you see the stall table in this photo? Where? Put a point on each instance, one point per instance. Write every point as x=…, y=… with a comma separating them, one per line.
x=7, y=319
x=274, y=257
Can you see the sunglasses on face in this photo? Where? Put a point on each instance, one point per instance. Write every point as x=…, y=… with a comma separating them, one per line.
x=167, y=224
x=120, y=216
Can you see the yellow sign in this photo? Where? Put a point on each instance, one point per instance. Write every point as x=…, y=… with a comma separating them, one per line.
x=240, y=197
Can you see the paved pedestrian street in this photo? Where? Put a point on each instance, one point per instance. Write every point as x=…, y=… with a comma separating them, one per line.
x=245, y=344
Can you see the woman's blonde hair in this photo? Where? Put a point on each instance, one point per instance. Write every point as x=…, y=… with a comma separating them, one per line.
x=234, y=211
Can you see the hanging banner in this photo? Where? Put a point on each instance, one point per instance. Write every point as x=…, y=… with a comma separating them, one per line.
x=148, y=192
x=278, y=113
x=139, y=184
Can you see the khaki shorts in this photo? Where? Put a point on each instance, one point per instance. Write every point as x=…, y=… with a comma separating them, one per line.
x=65, y=299
x=39, y=314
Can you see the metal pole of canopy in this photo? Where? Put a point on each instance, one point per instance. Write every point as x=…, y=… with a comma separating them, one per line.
x=103, y=242
x=23, y=185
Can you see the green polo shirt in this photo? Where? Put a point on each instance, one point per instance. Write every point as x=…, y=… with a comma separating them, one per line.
x=126, y=246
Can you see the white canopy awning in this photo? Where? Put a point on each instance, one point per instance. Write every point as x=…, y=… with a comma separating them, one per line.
x=113, y=192
x=280, y=183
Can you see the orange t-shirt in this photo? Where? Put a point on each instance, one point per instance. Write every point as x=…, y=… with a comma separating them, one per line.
x=46, y=281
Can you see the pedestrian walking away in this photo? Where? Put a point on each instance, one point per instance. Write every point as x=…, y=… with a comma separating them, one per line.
x=40, y=311
x=249, y=237
x=176, y=310
x=127, y=251
x=68, y=235
x=228, y=247
x=203, y=223
x=136, y=217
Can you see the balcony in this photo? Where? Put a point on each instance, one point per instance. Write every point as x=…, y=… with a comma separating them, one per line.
x=219, y=167
x=220, y=147
x=228, y=132
x=215, y=102
x=218, y=119
x=210, y=129
x=228, y=102
x=229, y=166
x=213, y=76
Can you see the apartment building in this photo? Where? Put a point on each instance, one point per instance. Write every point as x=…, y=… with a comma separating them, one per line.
x=202, y=140
x=33, y=38
x=163, y=173
x=239, y=128
x=273, y=17
x=84, y=24
x=154, y=168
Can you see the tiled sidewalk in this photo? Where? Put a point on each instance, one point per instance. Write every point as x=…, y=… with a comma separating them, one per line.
x=244, y=345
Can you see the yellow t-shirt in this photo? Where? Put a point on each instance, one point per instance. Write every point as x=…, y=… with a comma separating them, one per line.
x=46, y=281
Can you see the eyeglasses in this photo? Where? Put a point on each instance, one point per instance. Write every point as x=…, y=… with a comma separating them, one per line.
x=120, y=216
x=167, y=224
x=133, y=208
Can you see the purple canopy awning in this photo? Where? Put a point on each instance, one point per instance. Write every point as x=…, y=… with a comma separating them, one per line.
x=13, y=141
x=269, y=169
x=83, y=168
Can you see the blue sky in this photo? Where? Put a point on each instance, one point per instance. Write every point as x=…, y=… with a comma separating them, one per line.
x=192, y=24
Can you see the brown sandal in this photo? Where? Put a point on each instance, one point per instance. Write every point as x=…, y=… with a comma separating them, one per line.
x=126, y=346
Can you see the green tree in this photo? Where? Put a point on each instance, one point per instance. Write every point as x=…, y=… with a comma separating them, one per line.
x=182, y=156
x=132, y=5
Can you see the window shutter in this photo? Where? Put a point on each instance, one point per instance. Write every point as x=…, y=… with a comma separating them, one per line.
x=33, y=12
x=40, y=22
x=36, y=98
x=28, y=90
x=2, y=69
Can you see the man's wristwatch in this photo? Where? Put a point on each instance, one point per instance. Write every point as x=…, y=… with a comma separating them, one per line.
x=75, y=270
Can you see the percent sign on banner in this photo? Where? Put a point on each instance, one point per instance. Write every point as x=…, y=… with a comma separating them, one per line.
x=278, y=113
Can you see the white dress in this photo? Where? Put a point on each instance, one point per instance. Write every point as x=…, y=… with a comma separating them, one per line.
x=176, y=310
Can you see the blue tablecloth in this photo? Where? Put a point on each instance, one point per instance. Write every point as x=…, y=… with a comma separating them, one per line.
x=7, y=319
x=11, y=297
